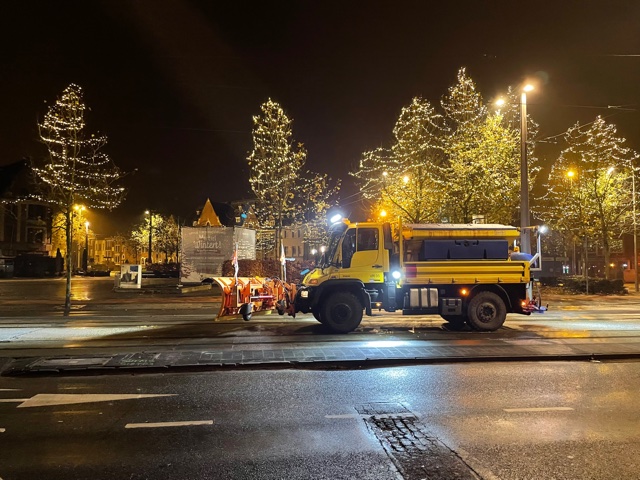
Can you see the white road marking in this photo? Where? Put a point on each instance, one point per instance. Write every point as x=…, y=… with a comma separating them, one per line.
x=49, y=399
x=2, y=430
x=169, y=424
x=379, y=415
x=538, y=409
x=9, y=389
x=13, y=400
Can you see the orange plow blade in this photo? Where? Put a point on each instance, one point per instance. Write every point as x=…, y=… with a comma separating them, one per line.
x=247, y=295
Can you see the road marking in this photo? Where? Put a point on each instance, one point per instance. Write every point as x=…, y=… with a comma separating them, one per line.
x=48, y=399
x=2, y=430
x=9, y=389
x=13, y=400
x=379, y=415
x=538, y=409
x=169, y=424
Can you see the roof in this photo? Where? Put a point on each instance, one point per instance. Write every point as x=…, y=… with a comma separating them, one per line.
x=208, y=216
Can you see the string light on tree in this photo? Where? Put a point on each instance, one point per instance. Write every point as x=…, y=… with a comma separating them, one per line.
x=76, y=169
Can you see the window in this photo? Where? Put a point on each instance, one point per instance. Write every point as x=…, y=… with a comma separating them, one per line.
x=293, y=251
x=348, y=247
x=367, y=239
x=286, y=251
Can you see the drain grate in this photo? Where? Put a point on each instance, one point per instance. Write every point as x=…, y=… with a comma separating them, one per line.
x=416, y=453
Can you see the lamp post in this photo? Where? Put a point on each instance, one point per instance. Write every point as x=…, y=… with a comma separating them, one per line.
x=525, y=242
x=635, y=228
x=571, y=174
x=148, y=212
x=85, y=257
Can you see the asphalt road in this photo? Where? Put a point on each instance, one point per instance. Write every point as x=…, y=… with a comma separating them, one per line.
x=338, y=419
x=492, y=421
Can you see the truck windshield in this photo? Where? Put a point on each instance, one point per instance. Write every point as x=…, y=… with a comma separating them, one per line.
x=335, y=234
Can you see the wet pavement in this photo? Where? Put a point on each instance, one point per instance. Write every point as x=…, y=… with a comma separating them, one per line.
x=162, y=327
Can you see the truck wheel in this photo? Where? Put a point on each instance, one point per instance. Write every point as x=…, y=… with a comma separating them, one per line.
x=246, y=310
x=342, y=312
x=316, y=314
x=486, y=312
x=455, y=322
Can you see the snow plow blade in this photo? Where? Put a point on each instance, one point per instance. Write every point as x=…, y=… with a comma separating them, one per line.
x=247, y=295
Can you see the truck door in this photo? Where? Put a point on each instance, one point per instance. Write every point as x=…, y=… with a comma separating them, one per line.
x=361, y=255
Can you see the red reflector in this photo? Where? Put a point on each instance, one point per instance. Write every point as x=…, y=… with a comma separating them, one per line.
x=411, y=271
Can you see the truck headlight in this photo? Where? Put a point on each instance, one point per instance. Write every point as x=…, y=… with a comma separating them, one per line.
x=396, y=274
x=304, y=294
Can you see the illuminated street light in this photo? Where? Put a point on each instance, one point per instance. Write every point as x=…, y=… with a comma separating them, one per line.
x=405, y=179
x=525, y=243
x=85, y=258
x=572, y=174
x=383, y=213
x=148, y=212
x=500, y=102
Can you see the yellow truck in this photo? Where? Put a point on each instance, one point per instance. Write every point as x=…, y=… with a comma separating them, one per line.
x=464, y=273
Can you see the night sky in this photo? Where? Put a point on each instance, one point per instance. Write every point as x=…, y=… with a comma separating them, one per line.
x=174, y=84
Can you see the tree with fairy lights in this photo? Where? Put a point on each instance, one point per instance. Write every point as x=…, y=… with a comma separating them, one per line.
x=317, y=194
x=590, y=188
x=448, y=166
x=139, y=236
x=275, y=165
x=396, y=179
x=285, y=193
x=76, y=170
x=483, y=155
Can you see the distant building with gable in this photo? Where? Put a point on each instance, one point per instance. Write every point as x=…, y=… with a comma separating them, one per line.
x=209, y=243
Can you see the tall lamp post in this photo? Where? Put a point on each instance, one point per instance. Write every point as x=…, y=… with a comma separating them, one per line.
x=574, y=267
x=635, y=229
x=85, y=257
x=525, y=241
x=148, y=212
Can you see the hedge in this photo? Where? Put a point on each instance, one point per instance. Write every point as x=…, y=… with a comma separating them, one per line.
x=267, y=268
x=597, y=286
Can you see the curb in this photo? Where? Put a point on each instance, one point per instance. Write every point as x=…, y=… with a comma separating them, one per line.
x=347, y=357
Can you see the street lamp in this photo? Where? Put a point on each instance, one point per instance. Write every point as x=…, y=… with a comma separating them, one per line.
x=571, y=174
x=525, y=243
x=148, y=212
x=85, y=258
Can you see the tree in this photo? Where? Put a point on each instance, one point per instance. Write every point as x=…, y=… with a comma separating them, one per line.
x=450, y=166
x=401, y=180
x=139, y=236
x=76, y=170
x=596, y=199
x=275, y=164
x=317, y=195
x=168, y=237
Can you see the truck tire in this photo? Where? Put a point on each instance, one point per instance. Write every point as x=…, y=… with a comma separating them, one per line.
x=316, y=314
x=342, y=312
x=486, y=312
x=455, y=322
